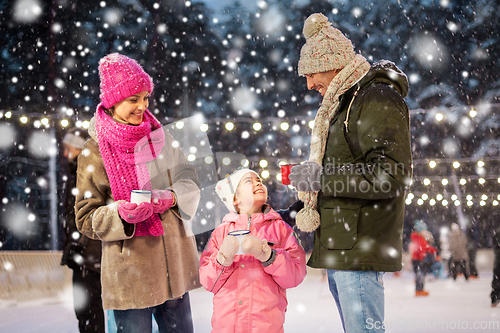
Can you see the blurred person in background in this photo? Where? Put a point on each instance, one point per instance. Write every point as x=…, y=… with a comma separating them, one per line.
x=495, y=283
x=420, y=250
x=459, y=255
x=445, y=253
x=80, y=253
x=472, y=252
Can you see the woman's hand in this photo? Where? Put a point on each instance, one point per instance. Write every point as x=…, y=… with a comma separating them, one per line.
x=162, y=200
x=135, y=213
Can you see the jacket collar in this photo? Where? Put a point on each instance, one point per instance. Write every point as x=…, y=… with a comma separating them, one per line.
x=383, y=71
x=267, y=214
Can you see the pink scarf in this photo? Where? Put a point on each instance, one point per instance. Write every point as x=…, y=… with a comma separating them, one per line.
x=123, y=151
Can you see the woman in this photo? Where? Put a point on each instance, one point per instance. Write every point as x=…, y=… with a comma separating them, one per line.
x=149, y=263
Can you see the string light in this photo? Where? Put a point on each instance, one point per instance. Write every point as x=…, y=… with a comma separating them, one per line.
x=284, y=126
x=300, y=123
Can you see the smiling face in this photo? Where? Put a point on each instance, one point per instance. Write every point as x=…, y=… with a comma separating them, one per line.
x=131, y=109
x=321, y=81
x=250, y=194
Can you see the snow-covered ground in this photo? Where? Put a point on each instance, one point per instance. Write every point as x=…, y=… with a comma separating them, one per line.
x=451, y=306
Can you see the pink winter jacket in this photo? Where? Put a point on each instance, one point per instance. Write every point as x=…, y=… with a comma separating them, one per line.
x=249, y=297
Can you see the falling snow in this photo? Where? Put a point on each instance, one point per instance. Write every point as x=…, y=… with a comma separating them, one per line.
x=235, y=63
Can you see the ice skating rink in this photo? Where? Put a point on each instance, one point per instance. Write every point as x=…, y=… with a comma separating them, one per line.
x=451, y=306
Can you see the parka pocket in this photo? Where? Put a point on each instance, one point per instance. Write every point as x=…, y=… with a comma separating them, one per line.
x=339, y=227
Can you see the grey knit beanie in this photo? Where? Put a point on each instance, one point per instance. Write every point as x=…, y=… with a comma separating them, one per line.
x=326, y=48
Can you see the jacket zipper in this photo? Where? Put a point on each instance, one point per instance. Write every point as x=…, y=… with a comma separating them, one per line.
x=346, y=122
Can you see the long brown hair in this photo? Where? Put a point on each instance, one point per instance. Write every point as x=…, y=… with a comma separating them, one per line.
x=110, y=112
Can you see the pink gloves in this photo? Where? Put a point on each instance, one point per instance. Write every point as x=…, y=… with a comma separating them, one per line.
x=135, y=213
x=161, y=200
x=227, y=250
x=258, y=248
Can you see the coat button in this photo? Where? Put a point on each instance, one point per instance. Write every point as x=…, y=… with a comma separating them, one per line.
x=240, y=302
x=243, y=265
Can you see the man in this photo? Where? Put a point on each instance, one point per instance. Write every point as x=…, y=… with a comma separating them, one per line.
x=359, y=167
x=81, y=254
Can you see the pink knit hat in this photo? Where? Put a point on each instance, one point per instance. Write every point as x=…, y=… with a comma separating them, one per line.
x=326, y=48
x=121, y=77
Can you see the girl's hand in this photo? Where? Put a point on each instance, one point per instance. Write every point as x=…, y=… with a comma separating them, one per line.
x=258, y=248
x=227, y=251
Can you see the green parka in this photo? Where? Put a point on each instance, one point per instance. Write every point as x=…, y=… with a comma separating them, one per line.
x=367, y=168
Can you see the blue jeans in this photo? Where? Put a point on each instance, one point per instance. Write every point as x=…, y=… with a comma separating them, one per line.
x=173, y=316
x=360, y=299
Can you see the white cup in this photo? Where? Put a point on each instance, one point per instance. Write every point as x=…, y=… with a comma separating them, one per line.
x=240, y=235
x=138, y=196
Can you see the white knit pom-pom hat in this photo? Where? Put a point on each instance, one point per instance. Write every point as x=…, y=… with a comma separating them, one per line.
x=326, y=48
x=226, y=188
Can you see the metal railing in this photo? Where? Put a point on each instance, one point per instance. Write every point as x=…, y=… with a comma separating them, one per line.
x=30, y=275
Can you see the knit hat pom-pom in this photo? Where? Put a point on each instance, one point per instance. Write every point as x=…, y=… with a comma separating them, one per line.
x=308, y=219
x=314, y=24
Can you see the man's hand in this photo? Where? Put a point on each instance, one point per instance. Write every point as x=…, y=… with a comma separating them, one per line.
x=306, y=176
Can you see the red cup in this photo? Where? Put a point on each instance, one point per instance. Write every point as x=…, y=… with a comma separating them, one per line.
x=285, y=172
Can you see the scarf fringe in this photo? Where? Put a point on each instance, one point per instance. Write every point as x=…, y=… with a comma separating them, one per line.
x=308, y=219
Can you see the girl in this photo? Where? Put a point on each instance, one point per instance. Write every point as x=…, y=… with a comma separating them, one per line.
x=250, y=289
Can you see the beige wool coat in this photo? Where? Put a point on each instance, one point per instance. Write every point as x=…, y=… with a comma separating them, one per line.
x=458, y=245
x=145, y=271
